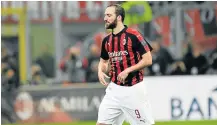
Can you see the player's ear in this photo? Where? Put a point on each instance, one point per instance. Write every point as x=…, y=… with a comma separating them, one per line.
x=119, y=17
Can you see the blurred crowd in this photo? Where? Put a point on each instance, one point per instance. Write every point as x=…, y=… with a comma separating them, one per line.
x=77, y=68
x=43, y=67
x=195, y=61
x=82, y=68
x=9, y=67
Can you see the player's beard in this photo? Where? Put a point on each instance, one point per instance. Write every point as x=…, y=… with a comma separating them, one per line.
x=112, y=25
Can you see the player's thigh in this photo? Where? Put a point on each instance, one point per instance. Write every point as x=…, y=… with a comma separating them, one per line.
x=110, y=113
x=137, y=107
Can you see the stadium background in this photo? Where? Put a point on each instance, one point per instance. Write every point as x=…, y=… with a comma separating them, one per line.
x=50, y=52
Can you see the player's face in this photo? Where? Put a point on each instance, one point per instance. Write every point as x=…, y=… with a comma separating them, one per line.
x=110, y=18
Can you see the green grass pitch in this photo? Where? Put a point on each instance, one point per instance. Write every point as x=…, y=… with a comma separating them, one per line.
x=207, y=122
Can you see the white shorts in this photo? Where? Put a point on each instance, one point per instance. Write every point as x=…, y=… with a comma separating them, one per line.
x=125, y=103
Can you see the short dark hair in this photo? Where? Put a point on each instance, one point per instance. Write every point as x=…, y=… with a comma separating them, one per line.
x=119, y=10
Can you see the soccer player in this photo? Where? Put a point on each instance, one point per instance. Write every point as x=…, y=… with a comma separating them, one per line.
x=128, y=53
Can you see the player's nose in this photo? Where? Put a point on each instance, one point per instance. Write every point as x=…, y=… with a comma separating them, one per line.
x=105, y=19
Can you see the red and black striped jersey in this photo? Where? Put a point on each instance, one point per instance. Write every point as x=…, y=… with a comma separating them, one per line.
x=124, y=50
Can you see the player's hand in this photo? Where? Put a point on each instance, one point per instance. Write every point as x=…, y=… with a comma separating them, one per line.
x=123, y=75
x=102, y=77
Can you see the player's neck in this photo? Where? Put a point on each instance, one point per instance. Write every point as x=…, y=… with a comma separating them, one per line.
x=118, y=29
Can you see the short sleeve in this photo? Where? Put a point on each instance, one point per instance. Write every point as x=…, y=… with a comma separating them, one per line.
x=104, y=54
x=141, y=44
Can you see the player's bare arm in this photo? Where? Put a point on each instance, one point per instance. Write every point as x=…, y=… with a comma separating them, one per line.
x=144, y=62
x=102, y=69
